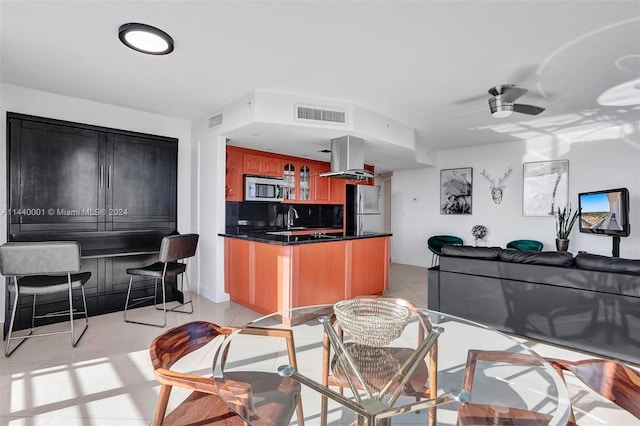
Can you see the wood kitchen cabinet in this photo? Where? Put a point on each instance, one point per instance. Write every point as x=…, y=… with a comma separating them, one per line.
x=305, y=188
x=290, y=171
x=262, y=165
x=302, y=183
x=113, y=191
x=321, y=185
x=269, y=277
x=234, y=189
x=301, y=176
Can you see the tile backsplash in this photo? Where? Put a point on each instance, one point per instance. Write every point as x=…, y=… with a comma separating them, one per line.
x=256, y=215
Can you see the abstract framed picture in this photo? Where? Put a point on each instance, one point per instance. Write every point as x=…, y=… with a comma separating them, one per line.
x=545, y=187
x=455, y=190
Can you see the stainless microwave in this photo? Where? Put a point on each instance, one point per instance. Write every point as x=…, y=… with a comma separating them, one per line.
x=263, y=188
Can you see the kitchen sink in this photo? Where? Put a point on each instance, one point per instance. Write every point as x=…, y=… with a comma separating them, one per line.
x=279, y=233
x=294, y=236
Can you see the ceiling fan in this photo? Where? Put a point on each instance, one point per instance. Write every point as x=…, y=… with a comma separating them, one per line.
x=502, y=101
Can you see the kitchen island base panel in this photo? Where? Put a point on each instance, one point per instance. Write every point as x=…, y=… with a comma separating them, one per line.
x=269, y=277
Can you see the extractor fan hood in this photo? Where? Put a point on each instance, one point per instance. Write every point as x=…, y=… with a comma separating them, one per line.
x=347, y=159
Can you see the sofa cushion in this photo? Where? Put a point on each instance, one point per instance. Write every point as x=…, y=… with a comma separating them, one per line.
x=471, y=251
x=596, y=262
x=551, y=258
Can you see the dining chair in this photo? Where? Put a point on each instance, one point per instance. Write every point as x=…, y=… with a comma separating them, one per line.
x=377, y=365
x=472, y=414
x=612, y=380
x=436, y=242
x=175, y=251
x=39, y=269
x=525, y=245
x=205, y=405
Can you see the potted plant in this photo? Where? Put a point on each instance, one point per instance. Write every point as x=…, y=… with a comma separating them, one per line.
x=564, y=223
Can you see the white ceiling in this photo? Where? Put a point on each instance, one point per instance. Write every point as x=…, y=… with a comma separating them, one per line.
x=426, y=64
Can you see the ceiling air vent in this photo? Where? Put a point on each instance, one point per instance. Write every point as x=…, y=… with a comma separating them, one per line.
x=320, y=114
x=215, y=121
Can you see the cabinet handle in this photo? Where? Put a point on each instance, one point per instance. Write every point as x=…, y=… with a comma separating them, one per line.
x=101, y=175
x=109, y=177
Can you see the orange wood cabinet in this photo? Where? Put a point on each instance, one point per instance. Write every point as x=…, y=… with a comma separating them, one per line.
x=235, y=169
x=262, y=165
x=299, y=181
x=271, y=277
x=321, y=186
x=306, y=185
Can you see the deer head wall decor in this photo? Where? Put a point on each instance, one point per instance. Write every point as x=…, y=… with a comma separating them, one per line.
x=496, y=190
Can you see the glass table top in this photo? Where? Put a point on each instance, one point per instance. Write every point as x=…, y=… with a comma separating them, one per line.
x=507, y=378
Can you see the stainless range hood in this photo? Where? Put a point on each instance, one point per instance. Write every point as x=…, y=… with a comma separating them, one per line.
x=347, y=159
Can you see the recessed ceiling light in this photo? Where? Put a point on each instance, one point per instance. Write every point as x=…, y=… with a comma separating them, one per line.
x=146, y=39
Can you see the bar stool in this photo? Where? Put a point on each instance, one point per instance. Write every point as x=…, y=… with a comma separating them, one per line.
x=38, y=268
x=172, y=249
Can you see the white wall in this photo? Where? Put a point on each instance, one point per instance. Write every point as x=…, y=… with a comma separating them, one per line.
x=593, y=165
x=34, y=102
x=209, y=204
x=211, y=215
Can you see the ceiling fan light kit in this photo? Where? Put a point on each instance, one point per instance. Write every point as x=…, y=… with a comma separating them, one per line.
x=499, y=108
x=502, y=101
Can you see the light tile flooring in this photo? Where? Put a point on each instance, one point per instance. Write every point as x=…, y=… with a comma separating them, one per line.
x=108, y=378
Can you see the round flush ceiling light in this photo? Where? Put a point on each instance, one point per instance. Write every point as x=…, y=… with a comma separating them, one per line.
x=146, y=39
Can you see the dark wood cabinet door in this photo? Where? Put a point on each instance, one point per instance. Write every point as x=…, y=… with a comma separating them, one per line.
x=141, y=183
x=55, y=177
x=114, y=191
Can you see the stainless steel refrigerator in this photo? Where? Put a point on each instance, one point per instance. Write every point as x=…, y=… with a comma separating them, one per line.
x=362, y=210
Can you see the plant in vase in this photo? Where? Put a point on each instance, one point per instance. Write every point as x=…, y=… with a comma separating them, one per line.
x=564, y=223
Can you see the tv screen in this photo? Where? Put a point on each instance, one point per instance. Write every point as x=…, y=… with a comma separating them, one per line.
x=605, y=212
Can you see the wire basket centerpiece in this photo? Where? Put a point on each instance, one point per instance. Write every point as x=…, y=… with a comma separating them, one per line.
x=372, y=321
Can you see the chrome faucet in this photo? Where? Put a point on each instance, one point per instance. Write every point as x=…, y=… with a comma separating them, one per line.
x=291, y=218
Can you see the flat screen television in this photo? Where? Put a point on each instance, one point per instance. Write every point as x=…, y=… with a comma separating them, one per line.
x=605, y=212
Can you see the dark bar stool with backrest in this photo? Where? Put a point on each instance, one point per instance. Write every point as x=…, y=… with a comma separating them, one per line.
x=172, y=249
x=39, y=268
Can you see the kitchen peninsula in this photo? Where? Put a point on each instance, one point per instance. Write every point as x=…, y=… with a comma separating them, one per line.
x=273, y=271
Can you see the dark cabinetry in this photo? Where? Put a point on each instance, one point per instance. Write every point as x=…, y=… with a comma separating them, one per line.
x=141, y=182
x=112, y=190
x=66, y=178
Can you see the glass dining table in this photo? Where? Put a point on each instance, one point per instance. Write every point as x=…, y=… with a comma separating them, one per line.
x=480, y=375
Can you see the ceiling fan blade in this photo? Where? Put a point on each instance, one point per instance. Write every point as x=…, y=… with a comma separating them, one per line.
x=527, y=109
x=468, y=113
x=471, y=99
x=510, y=94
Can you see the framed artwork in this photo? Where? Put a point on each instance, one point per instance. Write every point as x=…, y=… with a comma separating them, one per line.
x=545, y=187
x=455, y=190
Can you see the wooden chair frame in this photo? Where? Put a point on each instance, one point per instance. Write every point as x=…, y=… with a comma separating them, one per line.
x=612, y=380
x=189, y=337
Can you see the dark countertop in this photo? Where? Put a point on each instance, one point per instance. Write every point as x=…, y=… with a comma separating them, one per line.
x=286, y=240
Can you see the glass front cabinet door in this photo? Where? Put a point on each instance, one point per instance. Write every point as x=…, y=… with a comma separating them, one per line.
x=289, y=182
x=305, y=183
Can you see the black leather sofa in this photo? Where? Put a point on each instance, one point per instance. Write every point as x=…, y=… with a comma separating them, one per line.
x=589, y=302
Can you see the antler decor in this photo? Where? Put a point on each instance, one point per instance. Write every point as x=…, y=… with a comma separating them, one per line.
x=496, y=190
